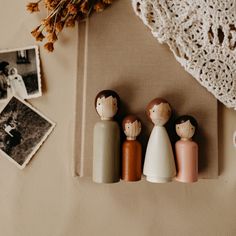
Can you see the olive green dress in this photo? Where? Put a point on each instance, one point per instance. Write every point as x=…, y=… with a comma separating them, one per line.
x=106, y=152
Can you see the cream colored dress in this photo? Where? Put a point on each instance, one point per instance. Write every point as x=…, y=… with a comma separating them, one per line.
x=159, y=165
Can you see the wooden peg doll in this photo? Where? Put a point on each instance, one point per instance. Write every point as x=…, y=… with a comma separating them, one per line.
x=131, y=149
x=186, y=150
x=159, y=164
x=106, y=139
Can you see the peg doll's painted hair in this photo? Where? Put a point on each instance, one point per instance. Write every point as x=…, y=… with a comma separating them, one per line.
x=156, y=101
x=129, y=119
x=183, y=119
x=106, y=94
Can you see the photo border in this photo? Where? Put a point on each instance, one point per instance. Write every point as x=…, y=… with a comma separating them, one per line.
x=37, y=147
x=36, y=47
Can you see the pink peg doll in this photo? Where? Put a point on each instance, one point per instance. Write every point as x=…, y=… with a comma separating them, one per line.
x=186, y=150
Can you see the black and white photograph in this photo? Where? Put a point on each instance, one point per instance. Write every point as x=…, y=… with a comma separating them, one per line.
x=20, y=73
x=22, y=131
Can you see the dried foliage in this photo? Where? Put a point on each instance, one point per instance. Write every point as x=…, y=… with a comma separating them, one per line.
x=62, y=13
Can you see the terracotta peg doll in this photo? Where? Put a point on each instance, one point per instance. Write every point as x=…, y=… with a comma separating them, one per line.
x=186, y=150
x=106, y=139
x=131, y=150
x=159, y=165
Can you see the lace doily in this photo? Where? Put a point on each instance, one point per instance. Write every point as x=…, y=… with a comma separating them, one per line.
x=202, y=36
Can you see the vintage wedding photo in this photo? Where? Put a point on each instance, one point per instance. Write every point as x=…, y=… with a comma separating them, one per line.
x=22, y=131
x=20, y=73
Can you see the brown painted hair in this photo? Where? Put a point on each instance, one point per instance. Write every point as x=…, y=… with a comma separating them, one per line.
x=129, y=119
x=183, y=119
x=106, y=94
x=154, y=102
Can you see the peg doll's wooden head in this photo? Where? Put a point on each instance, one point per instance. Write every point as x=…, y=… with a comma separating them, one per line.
x=185, y=127
x=159, y=111
x=107, y=104
x=131, y=126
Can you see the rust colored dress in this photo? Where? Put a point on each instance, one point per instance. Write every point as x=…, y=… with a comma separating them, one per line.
x=131, y=160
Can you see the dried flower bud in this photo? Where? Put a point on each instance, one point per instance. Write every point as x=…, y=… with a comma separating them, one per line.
x=46, y=21
x=107, y=1
x=70, y=22
x=49, y=28
x=59, y=26
x=52, y=37
x=98, y=7
x=51, y=4
x=72, y=9
x=54, y=3
x=64, y=12
x=49, y=46
x=48, y=7
x=84, y=7
x=35, y=31
x=32, y=7
x=38, y=35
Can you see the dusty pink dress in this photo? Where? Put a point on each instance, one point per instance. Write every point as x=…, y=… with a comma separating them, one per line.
x=187, y=161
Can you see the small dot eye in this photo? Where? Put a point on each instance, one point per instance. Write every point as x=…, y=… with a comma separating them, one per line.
x=153, y=110
x=99, y=104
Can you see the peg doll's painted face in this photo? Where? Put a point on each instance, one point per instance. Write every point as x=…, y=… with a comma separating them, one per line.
x=132, y=127
x=185, y=127
x=107, y=104
x=185, y=130
x=159, y=111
